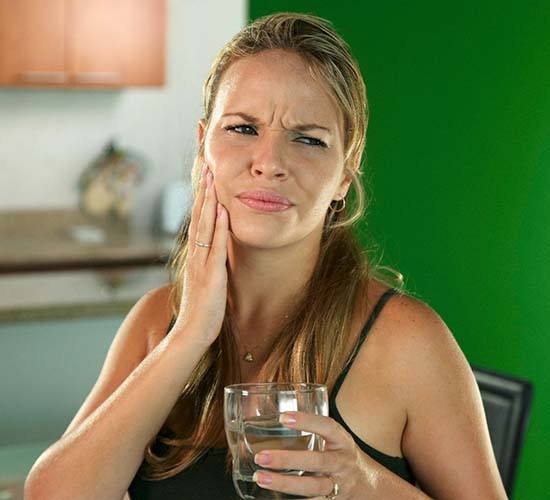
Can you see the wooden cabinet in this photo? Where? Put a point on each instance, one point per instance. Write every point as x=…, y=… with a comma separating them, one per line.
x=82, y=43
x=32, y=42
x=116, y=42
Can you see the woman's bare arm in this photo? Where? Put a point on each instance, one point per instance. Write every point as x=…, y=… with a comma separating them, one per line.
x=103, y=447
x=446, y=439
x=128, y=349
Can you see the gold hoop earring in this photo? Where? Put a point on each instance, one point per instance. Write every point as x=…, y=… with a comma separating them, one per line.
x=333, y=210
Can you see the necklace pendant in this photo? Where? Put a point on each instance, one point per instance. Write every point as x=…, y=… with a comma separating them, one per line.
x=248, y=357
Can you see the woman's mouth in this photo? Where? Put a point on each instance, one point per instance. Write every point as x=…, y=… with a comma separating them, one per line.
x=264, y=206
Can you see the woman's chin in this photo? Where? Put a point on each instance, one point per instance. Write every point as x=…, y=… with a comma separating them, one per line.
x=257, y=237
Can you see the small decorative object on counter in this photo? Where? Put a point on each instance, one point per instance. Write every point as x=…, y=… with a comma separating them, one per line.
x=107, y=185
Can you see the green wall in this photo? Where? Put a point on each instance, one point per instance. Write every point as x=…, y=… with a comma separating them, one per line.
x=459, y=150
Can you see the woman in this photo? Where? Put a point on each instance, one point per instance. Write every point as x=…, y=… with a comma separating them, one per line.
x=270, y=284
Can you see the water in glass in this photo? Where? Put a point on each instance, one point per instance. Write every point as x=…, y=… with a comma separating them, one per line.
x=251, y=413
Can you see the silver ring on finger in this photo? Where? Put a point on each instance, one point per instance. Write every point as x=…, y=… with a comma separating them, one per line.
x=202, y=245
x=335, y=490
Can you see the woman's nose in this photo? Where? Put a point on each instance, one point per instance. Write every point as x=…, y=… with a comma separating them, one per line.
x=269, y=156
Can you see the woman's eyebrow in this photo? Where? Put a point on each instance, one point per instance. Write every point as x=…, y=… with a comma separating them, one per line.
x=310, y=126
x=305, y=127
x=244, y=116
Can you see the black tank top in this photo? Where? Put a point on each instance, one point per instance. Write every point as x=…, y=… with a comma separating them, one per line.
x=206, y=479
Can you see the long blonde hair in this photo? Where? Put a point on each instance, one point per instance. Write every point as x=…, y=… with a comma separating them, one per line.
x=312, y=344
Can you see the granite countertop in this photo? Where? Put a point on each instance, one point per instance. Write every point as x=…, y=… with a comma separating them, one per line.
x=45, y=272
x=41, y=240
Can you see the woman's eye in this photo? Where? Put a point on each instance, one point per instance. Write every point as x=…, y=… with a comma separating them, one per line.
x=241, y=129
x=250, y=130
x=313, y=141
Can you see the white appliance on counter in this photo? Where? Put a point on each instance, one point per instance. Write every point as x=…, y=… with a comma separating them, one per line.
x=177, y=199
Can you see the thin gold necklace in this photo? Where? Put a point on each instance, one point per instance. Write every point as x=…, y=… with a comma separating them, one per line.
x=248, y=356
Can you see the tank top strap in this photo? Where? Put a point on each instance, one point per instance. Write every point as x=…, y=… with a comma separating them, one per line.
x=362, y=336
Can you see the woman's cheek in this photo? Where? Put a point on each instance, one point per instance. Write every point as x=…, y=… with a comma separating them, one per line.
x=222, y=151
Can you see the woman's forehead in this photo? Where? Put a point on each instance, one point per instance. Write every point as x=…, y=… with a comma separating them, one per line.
x=276, y=81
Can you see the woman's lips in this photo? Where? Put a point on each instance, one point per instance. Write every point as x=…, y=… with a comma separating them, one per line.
x=264, y=206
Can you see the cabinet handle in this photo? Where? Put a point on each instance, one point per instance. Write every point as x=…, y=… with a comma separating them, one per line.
x=97, y=78
x=43, y=76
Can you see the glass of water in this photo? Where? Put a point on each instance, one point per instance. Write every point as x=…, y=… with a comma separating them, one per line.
x=251, y=415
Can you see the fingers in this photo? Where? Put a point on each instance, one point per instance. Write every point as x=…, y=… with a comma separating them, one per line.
x=338, y=460
x=335, y=436
x=204, y=219
x=219, y=242
x=313, y=461
x=307, y=486
x=205, y=230
x=196, y=211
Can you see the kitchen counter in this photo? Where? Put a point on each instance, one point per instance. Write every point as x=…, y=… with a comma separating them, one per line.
x=41, y=240
x=48, y=271
x=74, y=294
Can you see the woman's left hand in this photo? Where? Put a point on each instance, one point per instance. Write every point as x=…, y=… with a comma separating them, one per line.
x=342, y=463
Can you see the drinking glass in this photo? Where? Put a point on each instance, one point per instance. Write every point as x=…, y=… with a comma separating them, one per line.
x=251, y=417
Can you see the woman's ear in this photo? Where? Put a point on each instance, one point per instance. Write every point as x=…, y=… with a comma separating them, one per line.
x=201, y=130
x=347, y=176
x=345, y=183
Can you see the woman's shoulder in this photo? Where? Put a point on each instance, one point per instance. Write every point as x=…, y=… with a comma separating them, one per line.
x=408, y=333
x=159, y=296
x=418, y=350
x=374, y=398
x=437, y=388
x=403, y=316
x=154, y=309
x=154, y=305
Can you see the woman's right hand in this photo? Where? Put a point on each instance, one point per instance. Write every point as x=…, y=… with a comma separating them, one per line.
x=204, y=292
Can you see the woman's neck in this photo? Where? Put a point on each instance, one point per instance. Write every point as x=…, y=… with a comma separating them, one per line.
x=264, y=283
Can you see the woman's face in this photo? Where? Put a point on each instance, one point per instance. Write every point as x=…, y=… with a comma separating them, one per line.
x=256, y=140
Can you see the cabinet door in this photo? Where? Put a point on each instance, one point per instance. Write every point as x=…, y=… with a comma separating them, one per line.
x=32, y=42
x=115, y=43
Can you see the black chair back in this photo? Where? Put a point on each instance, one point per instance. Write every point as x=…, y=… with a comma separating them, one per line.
x=507, y=402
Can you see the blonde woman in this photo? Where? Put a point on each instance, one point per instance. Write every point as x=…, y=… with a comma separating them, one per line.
x=270, y=284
